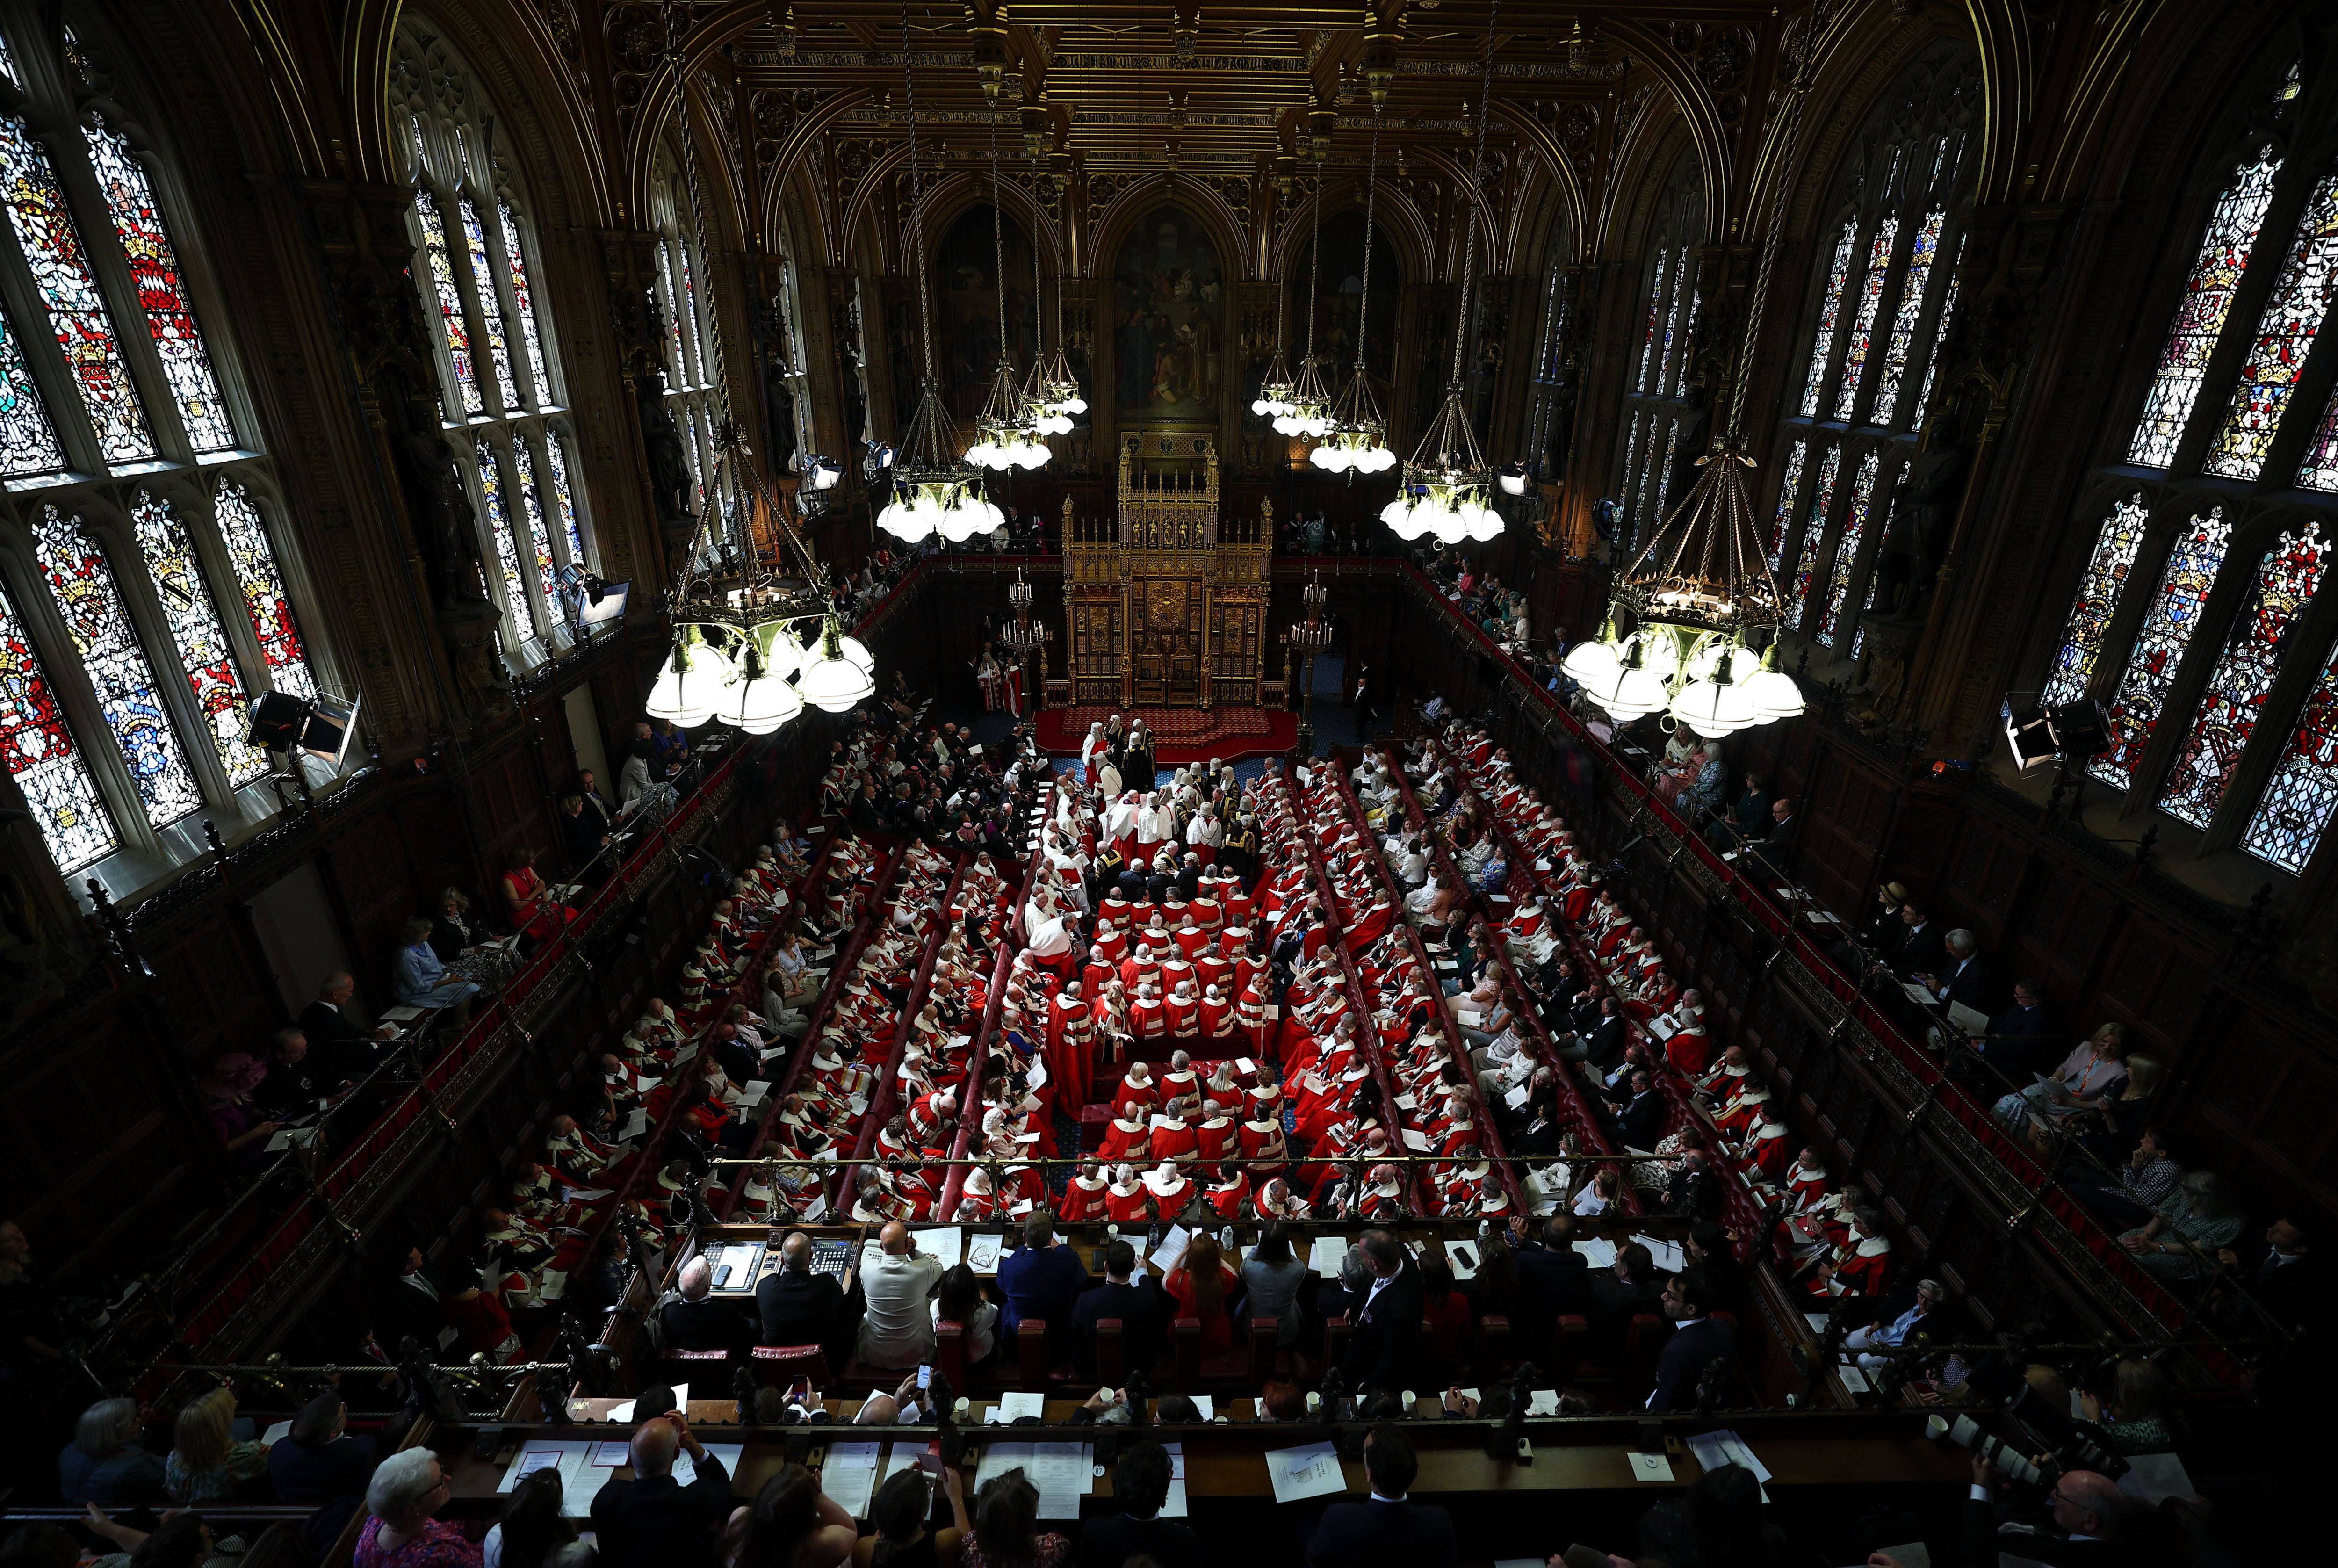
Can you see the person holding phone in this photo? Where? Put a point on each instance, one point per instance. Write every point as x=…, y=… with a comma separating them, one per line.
x=896, y=1521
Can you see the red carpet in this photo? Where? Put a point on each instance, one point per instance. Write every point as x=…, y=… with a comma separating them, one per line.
x=1181, y=734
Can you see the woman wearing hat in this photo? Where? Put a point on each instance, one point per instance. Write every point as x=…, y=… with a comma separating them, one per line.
x=227, y=1097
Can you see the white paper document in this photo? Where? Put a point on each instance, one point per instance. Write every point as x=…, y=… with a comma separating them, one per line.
x=948, y=1245
x=1015, y=1406
x=685, y=1469
x=2153, y=1476
x=1647, y=1467
x=1463, y=1257
x=1171, y=1250
x=1597, y=1251
x=1669, y=1256
x=1059, y=1470
x=849, y=1476
x=1326, y=1255
x=1715, y=1449
x=982, y=1253
x=1299, y=1474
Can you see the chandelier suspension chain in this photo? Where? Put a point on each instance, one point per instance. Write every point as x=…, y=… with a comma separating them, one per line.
x=1371, y=196
x=1476, y=193
x=1798, y=96
x=916, y=201
x=998, y=234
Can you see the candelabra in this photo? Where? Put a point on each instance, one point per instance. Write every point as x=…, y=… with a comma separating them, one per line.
x=1025, y=638
x=1309, y=637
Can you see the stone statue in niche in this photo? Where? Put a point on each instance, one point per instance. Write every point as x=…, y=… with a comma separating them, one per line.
x=1691, y=436
x=780, y=414
x=437, y=503
x=669, y=468
x=1926, y=501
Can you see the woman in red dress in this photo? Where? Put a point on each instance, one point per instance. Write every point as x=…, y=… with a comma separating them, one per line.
x=532, y=914
x=1202, y=1286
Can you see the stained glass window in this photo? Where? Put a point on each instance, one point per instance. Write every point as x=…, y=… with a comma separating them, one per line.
x=1829, y=308
x=1846, y=549
x=1662, y=489
x=524, y=303
x=1632, y=462
x=28, y=441
x=162, y=287
x=42, y=757
x=262, y=585
x=507, y=552
x=450, y=304
x=2097, y=597
x=8, y=64
x=2207, y=298
x=1668, y=364
x=689, y=311
x=673, y=306
x=1655, y=319
x=1922, y=250
x=532, y=509
x=195, y=629
x=2297, y=804
x=1871, y=304
x=60, y=268
x=563, y=501
x=2236, y=690
x=116, y=665
x=1814, y=524
x=2167, y=629
x=2301, y=297
x=1788, y=483
x=1939, y=337
x=491, y=310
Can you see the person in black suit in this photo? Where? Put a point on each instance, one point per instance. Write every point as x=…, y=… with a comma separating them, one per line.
x=1140, y=1484
x=411, y=1308
x=1641, y=1122
x=1964, y=975
x=653, y=1521
x=585, y=838
x=1602, y=1045
x=2283, y=1280
x=1748, y=816
x=1142, y=1309
x=319, y=1461
x=698, y=1321
x=1698, y=1342
x=2099, y=1523
x=2022, y=1041
x=794, y=1306
x=1388, y=1320
x=1691, y=1190
x=1766, y=856
x=1554, y=1278
x=1390, y=1528
x=342, y=1048
x=1621, y=1292
x=597, y=806
x=1922, y=948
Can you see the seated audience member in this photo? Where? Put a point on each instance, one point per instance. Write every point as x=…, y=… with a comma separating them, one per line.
x=653, y=1521
x=534, y=1532
x=1385, y=1313
x=699, y=1322
x=1698, y=1341
x=2140, y=1415
x=1203, y=1285
x=400, y=1532
x=318, y=1460
x=1140, y=1484
x=2179, y=1244
x=1040, y=1280
x=242, y=1129
x=896, y=1329
x=791, y=1524
x=1007, y=1531
x=1273, y=1276
x=347, y=1051
x=105, y=1464
x=528, y=902
x=2148, y=1177
x=208, y=1463
x=1141, y=1307
x=897, y=1522
x=418, y=977
x=795, y=1305
x=1721, y=1506
x=1889, y=1330
x=959, y=1300
x=1390, y=1528
x=2099, y=1522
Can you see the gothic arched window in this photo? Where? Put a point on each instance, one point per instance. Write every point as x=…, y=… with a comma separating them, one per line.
x=2217, y=681
x=500, y=381
x=1655, y=394
x=143, y=585
x=1881, y=300
x=681, y=300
